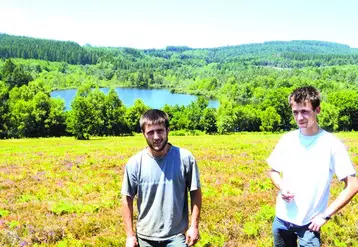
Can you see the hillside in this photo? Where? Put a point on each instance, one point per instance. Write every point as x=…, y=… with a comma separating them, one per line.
x=273, y=53
x=252, y=83
x=50, y=50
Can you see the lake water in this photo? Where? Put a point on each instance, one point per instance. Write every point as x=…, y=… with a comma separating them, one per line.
x=154, y=98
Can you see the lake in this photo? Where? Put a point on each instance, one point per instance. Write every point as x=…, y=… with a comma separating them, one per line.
x=154, y=98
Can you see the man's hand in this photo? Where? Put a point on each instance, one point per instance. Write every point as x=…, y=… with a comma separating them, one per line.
x=131, y=241
x=316, y=223
x=287, y=195
x=192, y=236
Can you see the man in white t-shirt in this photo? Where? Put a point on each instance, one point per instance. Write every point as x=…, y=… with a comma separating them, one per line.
x=302, y=166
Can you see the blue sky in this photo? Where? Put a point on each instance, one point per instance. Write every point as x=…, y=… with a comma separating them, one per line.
x=194, y=23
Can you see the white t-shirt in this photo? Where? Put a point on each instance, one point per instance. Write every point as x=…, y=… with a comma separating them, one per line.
x=307, y=164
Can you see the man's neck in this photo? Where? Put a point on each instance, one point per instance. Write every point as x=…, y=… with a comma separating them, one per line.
x=310, y=131
x=159, y=154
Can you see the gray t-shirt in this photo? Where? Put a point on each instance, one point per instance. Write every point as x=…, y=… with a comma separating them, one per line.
x=161, y=185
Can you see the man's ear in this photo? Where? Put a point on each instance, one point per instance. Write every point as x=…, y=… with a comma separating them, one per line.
x=318, y=109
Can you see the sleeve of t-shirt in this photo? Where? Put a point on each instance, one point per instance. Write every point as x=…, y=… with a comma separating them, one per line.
x=130, y=182
x=276, y=159
x=193, y=178
x=342, y=164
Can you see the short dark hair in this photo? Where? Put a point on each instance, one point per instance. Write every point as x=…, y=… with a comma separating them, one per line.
x=302, y=94
x=154, y=116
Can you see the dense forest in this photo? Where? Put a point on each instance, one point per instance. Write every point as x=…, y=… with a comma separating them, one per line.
x=252, y=83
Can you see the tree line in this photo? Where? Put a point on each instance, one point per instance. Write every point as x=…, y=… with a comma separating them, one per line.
x=251, y=82
x=256, y=104
x=284, y=54
x=51, y=50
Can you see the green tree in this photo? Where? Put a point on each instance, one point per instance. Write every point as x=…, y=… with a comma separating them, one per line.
x=134, y=113
x=40, y=112
x=226, y=118
x=194, y=112
x=115, y=121
x=270, y=119
x=4, y=95
x=247, y=118
x=208, y=120
x=328, y=117
x=29, y=108
x=14, y=75
x=57, y=118
x=79, y=118
x=177, y=116
x=278, y=99
x=347, y=103
x=8, y=68
x=96, y=102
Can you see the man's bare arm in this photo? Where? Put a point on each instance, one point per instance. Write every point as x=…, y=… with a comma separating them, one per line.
x=127, y=213
x=275, y=178
x=192, y=235
x=350, y=190
x=286, y=193
x=346, y=195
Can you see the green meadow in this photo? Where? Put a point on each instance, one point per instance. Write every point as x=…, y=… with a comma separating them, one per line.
x=66, y=192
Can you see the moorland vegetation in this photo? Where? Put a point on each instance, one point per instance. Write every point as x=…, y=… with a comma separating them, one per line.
x=66, y=192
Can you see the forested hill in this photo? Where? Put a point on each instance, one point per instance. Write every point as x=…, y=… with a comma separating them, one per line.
x=285, y=54
x=50, y=50
x=251, y=82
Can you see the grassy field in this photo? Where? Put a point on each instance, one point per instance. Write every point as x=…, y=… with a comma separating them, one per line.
x=65, y=192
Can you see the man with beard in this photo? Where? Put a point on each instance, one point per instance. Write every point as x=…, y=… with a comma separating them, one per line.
x=161, y=176
x=302, y=166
